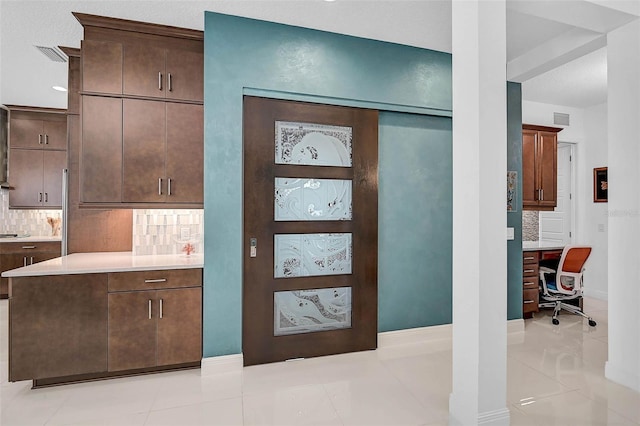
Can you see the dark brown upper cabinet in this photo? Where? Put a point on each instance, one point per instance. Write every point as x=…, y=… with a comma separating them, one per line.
x=36, y=128
x=539, y=167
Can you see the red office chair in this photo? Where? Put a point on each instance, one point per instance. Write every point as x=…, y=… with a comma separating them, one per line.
x=565, y=283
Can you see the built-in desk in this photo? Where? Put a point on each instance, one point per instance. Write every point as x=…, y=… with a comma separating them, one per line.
x=533, y=254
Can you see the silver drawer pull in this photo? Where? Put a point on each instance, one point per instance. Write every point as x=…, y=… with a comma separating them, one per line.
x=149, y=308
x=28, y=247
x=528, y=301
x=159, y=280
x=161, y=308
x=529, y=258
x=529, y=270
x=529, y=283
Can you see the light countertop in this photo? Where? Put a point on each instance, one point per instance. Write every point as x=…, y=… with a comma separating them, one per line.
x=93, y=263
x=30, y=239
x=541, y=245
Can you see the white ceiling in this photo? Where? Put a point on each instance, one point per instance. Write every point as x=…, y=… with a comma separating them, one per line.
x=546, y=40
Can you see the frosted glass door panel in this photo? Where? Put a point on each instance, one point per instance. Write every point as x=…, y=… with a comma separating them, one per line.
x=313, y=144
x=305, y=255
x=312, y=199
x=307, y=311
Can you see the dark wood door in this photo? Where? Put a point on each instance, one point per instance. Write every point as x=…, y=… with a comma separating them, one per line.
x=185, y=159
x=144, y=150
x=144, y=70
x=53, y=163
x=25, y=133
x=133, y=319
x=319, y=297
x=101, y=151
x=25, y=178
x=529, y=172
x=547, y=158
x=179, y=325
x=55, y=134
x=185, y=71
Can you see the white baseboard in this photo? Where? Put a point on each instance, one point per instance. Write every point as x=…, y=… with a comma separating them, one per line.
x=596, y=294
x=622, y=376
x=221, y=364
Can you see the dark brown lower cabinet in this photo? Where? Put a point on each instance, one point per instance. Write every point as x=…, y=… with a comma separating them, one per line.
x=17, y=255
x=57, y=326
x=154, y=328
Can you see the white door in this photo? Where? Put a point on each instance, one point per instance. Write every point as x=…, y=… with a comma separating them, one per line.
x=555, y=226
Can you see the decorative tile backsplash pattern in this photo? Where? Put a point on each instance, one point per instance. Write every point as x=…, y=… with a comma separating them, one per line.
x=32, y=222
x=530, y=225
x=158, y=231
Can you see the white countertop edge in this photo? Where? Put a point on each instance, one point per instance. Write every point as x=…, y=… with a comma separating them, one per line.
x=96, y=263
x=541, y=245
x=31, y=239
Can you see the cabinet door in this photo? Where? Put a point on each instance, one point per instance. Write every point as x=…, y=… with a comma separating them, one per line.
x=101, y=155
x=25, y=133
x=58, y=326
x=179, y=326
x=547, y=167
x=185, y=71
x=25, y=178
x=144, y=70
x=102, y=66
x=529, y=185
x=132, y=330
x=144, y=151
x=185, y=157
x=55, y=134
x=54, y=162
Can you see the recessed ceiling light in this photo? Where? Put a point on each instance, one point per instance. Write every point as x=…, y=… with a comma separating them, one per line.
x=59, y=88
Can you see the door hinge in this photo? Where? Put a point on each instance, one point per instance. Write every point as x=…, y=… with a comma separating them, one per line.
x=570, y=158
x=570, y=196
x=569, y=234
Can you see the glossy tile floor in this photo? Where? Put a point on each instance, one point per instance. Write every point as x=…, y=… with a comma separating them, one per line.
x=555, y=377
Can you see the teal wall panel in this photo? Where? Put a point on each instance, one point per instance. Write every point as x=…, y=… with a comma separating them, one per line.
x=514, y=218
x=415, y=221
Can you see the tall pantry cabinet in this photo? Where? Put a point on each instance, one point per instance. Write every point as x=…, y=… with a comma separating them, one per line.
x=142, y=114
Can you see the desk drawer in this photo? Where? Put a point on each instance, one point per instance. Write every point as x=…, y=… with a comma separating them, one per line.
x=530, y=301
x=530, y=257
x=529, y=271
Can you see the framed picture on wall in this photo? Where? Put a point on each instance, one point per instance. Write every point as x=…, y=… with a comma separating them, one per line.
x=600, y=185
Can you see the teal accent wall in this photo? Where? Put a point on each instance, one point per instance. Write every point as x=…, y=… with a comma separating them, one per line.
x=414, y=221
x=514, y=219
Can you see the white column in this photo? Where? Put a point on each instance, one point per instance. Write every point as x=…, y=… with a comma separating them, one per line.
x=479, y=213
x=623, y=69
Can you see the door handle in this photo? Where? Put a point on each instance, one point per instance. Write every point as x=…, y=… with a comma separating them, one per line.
x=161, y=308
x=169, y=183
x=170, y=82
x=24, y=261
x=149, y=308
x=46, y=197
x=159, y=80
x=40, y=139
x=541, y=194
x=46, y=139
x=39, y=197
x=159, y=186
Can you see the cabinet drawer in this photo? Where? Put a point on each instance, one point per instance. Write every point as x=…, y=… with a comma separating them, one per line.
x=530, y=301
x=529, y=257
x=529, y=271
x=31, y=247
x=149, y=280
x=530, y=283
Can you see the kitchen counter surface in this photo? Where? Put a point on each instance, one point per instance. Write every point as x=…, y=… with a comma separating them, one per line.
x=541, y=245
x=93, y=263
x=30, y=239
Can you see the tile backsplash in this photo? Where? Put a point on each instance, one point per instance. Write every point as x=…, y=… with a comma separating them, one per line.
x=157, y=231
x=32, y=222
x=530, y=225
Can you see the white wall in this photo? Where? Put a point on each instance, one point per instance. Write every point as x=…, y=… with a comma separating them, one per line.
x=592, y=217
x=588, y=131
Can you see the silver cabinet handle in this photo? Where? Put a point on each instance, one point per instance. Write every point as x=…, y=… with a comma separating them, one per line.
x=169, y=183
x=526, y=283
x=46, y=139
x=28, y=247
x=542, y=195
x=528, y=301
x=170, y=82
x=159, y=81
x=529, y=270
x=161, y=308
x=46, y=197
x=159, y=280
x=40, y=139
x=39, y=197
x=159, y=186
x=529, y=258
x=24, y=261
x=31, y=260
x=149, y=308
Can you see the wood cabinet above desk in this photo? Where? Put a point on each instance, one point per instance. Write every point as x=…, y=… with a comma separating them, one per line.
x=539, y=167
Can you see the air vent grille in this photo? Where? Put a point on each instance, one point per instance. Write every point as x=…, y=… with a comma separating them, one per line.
x=52, y=53
x=560, y=119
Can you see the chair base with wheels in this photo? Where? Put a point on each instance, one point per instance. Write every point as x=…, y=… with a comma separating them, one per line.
x=564, y=283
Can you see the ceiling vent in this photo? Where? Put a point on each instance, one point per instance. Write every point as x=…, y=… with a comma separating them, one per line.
x=560, y=119
x=52, y=53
